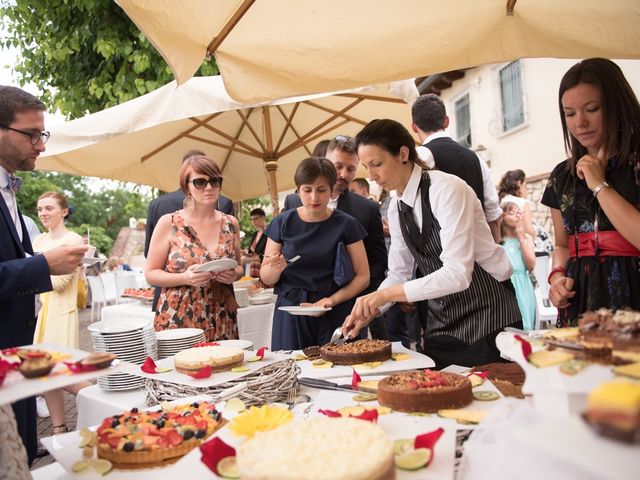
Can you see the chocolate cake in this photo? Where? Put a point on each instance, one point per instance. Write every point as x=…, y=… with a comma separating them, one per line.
x=360, y=351
x=312, y=353
x=626, y=337
x=424, y=391
x=596, y=331
x=507, y=377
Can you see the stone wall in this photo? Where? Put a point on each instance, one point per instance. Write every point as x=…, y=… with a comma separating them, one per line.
x=130, y=242
x=541, y=213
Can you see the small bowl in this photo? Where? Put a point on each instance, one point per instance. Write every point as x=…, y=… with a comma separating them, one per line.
x=34, y=368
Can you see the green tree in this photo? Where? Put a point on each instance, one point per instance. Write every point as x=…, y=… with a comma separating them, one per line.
x=84, y=55
x=105, y=212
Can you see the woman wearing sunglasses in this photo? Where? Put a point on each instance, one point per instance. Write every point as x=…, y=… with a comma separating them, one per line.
x=187, y=238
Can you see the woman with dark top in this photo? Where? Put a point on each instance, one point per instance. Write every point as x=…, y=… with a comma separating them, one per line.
x=594, y=196
x=312, y=232
x=436, y=223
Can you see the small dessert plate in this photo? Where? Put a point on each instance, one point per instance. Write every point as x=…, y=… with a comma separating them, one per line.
x=217, y=265
x=90, y=260
x=297, y=310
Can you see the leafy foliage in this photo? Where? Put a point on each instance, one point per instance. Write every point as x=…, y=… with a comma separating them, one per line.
x=105, y=212
x=84, y=55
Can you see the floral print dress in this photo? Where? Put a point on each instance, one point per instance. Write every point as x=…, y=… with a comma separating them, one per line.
x=212, y=308
x=600, y=281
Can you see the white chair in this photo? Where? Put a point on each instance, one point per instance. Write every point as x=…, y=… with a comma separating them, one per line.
x=110, y=288
x=546, y=313
x=124, y=280
x=97, y=293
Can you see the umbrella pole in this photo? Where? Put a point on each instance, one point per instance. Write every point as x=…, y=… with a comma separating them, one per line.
x=271, y=166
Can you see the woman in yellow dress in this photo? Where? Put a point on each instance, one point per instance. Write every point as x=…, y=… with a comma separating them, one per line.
x=58, y=317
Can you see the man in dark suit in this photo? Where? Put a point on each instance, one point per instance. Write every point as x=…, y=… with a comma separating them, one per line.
x=23, y=274
x=439, y=150
x=342, y=153
x=169, y=203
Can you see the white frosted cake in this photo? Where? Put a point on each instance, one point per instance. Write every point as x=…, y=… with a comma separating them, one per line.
x=318, y=449
x=217, y=357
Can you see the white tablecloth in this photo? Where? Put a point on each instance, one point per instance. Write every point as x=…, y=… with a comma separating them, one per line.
x=254, y=321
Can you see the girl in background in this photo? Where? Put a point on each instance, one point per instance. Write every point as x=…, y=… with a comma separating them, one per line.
x=519, y=247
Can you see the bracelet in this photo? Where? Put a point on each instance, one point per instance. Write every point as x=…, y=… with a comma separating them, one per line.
x=599, y=187
x=554, y=271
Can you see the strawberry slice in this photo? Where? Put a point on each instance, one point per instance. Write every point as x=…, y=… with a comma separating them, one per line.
x=174, y=438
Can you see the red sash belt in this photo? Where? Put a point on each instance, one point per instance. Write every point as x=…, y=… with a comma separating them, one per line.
x=608, y=244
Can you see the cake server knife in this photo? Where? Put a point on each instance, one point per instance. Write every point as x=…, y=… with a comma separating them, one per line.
x=324, y=385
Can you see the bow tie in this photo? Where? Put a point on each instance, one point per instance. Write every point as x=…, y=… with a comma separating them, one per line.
x=14, y=183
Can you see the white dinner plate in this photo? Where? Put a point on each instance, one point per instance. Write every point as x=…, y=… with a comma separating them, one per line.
x=178, y=333
x=217, y=265
x=243, y=344
x=261, y=299
x=297, y=310
x=113, y=327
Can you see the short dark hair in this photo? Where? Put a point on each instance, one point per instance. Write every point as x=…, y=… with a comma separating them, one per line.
x=311, y=168
x=388, y=135
x=620, y=109
x=257, y=211
x=198, y=164
x=15, y=100
x=320, y=150
x=342, y=143
x=362, y=182
x=509, y=183
x=428, y=113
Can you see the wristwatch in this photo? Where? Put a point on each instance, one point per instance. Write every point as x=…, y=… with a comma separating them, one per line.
x=599, y=187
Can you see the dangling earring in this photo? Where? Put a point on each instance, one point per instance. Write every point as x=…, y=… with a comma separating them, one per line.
x=187, y=203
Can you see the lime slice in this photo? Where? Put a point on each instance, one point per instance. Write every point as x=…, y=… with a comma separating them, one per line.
x=240, y=369
x=319, y=361
x=413, y=459
x=419, y=414
x=365, y=397
x=79, y=466
x=86, y=437
x=485, y=395
x=255, y=358
x=476, y=380
x=101, y=466
x=163, y=369
x=299, y=357
x=403, y=445
x=228, y=468
x=235, y=405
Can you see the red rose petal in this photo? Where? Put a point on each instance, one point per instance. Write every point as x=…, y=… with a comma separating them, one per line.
x=204, y=372
x=355, y=380
x=149, y=366
x=368, y=415
x=330, y=413
x=9, y=351
x=428, y=440
x=525, y=345
x=260, y=352
x=6, y=367
x=215, y=450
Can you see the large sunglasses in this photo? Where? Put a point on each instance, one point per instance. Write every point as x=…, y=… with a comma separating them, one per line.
x=34, y=135
x=201, y=183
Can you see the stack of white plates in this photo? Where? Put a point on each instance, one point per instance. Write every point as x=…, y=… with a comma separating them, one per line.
x=132, y=340
x=172, y=341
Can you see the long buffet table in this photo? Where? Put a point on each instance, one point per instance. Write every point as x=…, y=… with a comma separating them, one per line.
x=254, y=321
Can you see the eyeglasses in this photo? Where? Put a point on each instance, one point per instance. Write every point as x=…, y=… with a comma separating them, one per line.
x=34, y=135
x=201, y=183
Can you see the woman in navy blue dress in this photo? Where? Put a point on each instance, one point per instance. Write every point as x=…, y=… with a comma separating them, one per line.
x=312, y=231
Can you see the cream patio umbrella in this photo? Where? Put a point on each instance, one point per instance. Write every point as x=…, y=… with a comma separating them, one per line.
x=257, y=146
x=279, y=48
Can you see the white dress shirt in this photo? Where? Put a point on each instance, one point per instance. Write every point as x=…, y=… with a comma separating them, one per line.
x=10, y=199
x=464, y=234
x=492, y=209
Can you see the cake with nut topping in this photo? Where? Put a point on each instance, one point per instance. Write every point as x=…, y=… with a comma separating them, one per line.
x=424, y=391
x=360, y=351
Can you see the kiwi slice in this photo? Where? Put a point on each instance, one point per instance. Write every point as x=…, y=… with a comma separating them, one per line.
x=403, y=445
x=485, y=395
x=240, y=369
x=365, y=397
x=79, y=466
x=413, y=459
x=228, y=468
